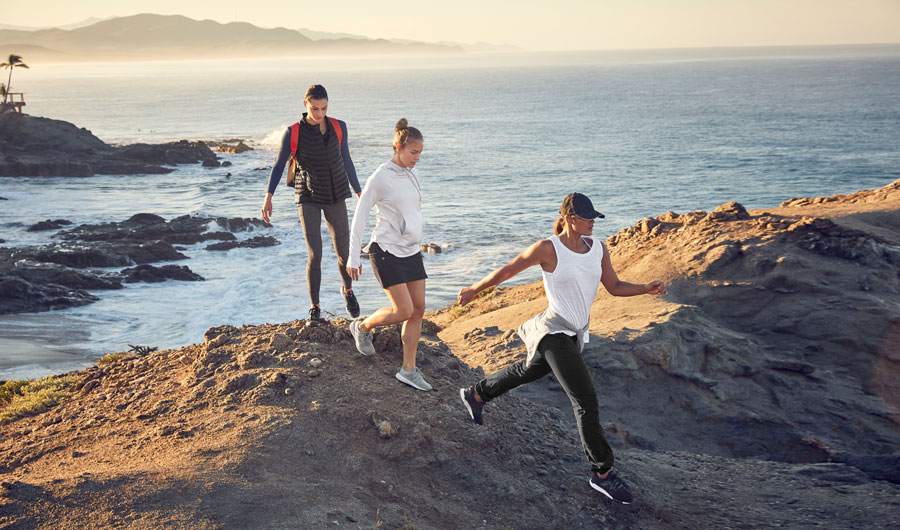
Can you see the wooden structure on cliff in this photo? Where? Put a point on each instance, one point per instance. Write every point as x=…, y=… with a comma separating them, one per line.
x=10, y=102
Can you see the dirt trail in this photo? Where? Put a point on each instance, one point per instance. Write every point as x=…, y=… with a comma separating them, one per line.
x=762, y=391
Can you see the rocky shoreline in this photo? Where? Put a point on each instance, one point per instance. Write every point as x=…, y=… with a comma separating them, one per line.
x=762, y=391
x=42, y=147
x=60, y=274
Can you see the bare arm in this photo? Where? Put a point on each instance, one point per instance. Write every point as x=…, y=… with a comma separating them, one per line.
x=540, y=253
x=617, y=287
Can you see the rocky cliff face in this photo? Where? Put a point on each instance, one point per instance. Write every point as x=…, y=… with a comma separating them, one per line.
x=41, y=147
x=759, y=393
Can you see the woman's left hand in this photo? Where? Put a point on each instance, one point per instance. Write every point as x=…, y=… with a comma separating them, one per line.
x=656, y=287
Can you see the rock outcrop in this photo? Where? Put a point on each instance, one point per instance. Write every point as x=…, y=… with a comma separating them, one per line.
x=761, y=392
x=42, y=147
x=777, y=339
x=60, y=274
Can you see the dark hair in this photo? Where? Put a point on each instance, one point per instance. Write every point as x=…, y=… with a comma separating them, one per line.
x=404, y=133
x=315, y=92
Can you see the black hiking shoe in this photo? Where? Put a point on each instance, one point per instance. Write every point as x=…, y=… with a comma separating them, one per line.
x=612, y=486
x=467, y=395
x=352, y=304
x=315, y=314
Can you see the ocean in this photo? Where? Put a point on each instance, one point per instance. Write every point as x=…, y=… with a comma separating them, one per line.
x=506, y=137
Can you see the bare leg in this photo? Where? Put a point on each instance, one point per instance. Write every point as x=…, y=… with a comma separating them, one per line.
x=412, y=327
x=401, y=309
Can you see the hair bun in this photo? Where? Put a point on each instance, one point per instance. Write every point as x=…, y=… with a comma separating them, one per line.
x=402, y=124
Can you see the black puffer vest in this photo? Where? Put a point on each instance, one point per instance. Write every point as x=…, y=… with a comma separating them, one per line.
x=321, y=177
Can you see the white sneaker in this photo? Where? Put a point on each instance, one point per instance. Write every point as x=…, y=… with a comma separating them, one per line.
x=413, y=378
x=363, y=339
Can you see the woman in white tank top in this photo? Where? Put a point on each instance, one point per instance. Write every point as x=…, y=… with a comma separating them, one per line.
x=574, y=265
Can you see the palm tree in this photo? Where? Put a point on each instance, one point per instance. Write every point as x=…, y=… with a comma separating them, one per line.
x=15, y=61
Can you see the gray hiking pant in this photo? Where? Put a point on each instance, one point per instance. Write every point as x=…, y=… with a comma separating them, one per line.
x=339, y=226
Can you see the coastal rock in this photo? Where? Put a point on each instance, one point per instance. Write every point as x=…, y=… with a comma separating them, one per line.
x=25, y=142
x=18, y=295
x=32, y=285
x=431, y=248
x=184, y=230
x=140, y=240
x=253, y=242
x=241, y=224
x=49, y=224
x=280, y=342
x=42, y=273
x=151, y=274
x=230, y=147
x=172, y=153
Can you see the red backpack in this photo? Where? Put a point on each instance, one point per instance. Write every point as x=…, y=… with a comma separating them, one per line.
x=295, y=144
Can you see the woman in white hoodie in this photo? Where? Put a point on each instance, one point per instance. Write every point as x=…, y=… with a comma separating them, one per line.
x=395, y=250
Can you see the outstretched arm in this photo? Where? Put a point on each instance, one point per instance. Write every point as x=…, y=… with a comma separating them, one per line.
x=617, y=287
x=540, y=253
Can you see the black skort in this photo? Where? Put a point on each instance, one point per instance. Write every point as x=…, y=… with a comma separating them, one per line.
x=391, y=270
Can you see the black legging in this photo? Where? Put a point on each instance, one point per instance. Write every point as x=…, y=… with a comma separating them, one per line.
x=559, y=353
x=336, y=220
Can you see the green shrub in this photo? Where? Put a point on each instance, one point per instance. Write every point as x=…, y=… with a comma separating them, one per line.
x=27, y=398
x=114, y=357
x=10, y=389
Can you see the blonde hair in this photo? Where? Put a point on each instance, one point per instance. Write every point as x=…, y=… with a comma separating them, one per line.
x=404, y=133
x=558, y=226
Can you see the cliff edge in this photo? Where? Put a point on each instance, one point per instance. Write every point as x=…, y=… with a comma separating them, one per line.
x=760, y=392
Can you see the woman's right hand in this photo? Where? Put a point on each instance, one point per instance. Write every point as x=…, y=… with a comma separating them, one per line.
x=267, y=208
x=466, y=295
x=354, y=272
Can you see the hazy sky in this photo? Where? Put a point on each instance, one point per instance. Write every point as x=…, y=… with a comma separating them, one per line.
x=532, y=24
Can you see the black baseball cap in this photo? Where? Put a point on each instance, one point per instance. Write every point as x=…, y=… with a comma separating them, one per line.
x=580, y=205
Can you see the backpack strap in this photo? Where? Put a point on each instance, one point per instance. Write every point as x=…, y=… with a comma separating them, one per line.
x=295, y=138
x=337, y=129
x=295, y=143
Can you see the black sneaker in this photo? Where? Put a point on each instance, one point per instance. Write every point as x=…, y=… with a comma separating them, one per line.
x=315, y=314
x=352, y=304
x=612, y=486
x=467, y=395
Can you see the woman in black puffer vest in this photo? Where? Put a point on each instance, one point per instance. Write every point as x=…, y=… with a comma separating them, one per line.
x=324, y=174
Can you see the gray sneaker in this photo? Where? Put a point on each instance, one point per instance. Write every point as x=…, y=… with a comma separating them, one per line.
x=363, y=339
x=413, y=378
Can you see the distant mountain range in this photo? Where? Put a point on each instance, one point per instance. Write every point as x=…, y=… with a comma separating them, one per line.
x=148, y=36
x=478, y=46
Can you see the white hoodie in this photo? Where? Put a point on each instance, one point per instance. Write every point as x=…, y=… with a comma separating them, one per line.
x=396, y=195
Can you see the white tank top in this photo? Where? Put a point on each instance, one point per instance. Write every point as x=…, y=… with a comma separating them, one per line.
x=572, y=286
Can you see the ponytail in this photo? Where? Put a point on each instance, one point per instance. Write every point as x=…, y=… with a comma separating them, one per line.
x=558, y=226
x=404, y=133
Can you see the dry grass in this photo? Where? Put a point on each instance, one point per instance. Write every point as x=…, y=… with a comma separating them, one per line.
x=26, y=398
x=459, y=310
x=110, y=358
